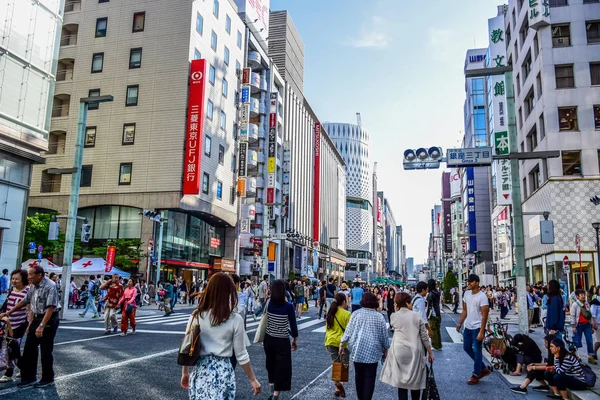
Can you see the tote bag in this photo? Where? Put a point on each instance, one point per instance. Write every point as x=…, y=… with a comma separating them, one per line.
x=431, y=390
x=189, y=351
x=259, y=336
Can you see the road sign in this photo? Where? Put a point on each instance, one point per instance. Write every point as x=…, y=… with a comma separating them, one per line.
x=566, y=266
x=469, y=157
x=279, y=236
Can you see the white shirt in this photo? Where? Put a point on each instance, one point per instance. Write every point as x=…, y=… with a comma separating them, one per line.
x=474, y=303
x=420, y=307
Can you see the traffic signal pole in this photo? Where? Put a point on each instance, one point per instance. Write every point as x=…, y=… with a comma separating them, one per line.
x=159, y=247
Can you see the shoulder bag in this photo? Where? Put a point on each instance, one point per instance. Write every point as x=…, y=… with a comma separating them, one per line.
x=189, y=350
x=340, y=371
x=259, y=336
x=431, y=390
x=589, y=375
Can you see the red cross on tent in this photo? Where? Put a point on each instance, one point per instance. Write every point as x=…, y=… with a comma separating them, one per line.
x=86, y=264
x=33, y=264
x=51, y=264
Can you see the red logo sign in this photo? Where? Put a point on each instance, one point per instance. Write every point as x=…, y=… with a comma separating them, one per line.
x=215, y=242
x=246, y=76
x=110, y=258
x=270, y=195
x=193, y=142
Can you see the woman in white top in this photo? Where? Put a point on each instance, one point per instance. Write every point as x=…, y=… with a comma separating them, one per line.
x=221, y=335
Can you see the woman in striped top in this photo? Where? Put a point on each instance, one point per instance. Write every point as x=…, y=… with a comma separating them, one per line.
x=566, y=372
x=281, y=321
x=18, y=319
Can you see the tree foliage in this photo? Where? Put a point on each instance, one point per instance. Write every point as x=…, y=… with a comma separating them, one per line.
x=449, y=283
x=36, y=231
x=127, y=250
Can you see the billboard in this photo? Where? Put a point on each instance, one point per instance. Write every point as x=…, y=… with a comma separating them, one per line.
x=317, y=179
x=194, y=128
x=454, y=183
x=446, y=204
x=256, y=15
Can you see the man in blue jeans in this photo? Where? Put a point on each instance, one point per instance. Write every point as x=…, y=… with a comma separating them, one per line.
x=474, y=316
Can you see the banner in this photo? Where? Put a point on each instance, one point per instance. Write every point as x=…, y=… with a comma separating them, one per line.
x=194, y=129
x=110, y=258
x=317, y=179
x=454, y=183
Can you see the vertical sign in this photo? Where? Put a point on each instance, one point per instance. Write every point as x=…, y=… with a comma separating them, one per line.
x=539, y=13
x=454, y=183
x=317, y=180
x=195, y=123
x=471, y=209
x=446, y=211
x=111, y=251
x=304, y=265
x=271, y=151
x=287, y=156
x=242, y=162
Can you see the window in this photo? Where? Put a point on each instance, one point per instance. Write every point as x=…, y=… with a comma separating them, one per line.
x=534, y=179
x=524, y=187
x=526, y=67
x=238, y=67
x=219, y=190
x=524, y=31
x=508, y=36
x=542, y=125
x=567, y=119
x=530, y=102
x=221, y=154
x=561, y=35
x=571, y=162
x=216, y=8
x=197, y=55
x=239, y=39
x=132, y=95
x=532, y=141
x=596, y=116
x=591, y=1
x=101, y=24
x=86, y=176
x=235, y=131
x=93, y=93
x=139, y=19
x=97, y=62
x=595, y=73
x=225, y=87
x=228, y=24
x=536, y=47
x=103, y=1
x=538, y=81
x=223, y=120
x=564, y=76
x=90, y=136
x=232, y=195
x=135, y=58
x=205, y=183
x=128, y=134
x=207, y=145
x=226, y=58
x=213, y=41
x=233, y=163
x=125, y=174
x=558, y=3
x=199, y=24
x=209, y=110
x=592, y=29
x=211, y=75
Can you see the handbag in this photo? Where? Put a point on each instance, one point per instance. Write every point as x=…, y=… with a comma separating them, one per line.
x=431, y=390
x=259, y=336
x=189, y=350
x=340, y=371
x=129, y=309
x=589, y=375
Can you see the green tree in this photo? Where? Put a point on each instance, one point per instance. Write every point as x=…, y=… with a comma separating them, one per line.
x=449, y=283
x=127, y=250
x=36, y=231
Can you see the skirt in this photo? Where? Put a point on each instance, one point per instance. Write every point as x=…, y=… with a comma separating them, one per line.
x=279, y=362
x=212, y=379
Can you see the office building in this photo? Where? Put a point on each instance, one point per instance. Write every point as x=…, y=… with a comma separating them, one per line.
x=286, y=49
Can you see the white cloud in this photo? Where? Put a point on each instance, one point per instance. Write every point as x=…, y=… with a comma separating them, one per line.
x=372, y=35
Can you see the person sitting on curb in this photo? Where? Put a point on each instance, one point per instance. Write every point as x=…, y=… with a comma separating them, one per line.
x=536, y=371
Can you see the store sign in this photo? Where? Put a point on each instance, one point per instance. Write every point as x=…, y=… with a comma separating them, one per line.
x=446, y=206
x=245, y=94
x=245, y=225
x=271, y=212
x=271, y=180
x=242, y=161
x=304, y=265
x=246, y=73
x=270, y=195
x=503, y=183
x=539, y=13
x=194, y=128
x=454, y=183
x=241, y=187
x=317, y=182
x=470, y=173
x=245, y=113
x=215, y=243
x=244, y=132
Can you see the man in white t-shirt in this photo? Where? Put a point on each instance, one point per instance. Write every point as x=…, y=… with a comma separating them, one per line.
x=474, y=315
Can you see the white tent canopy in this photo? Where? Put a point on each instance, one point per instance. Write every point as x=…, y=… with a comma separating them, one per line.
x=94, y=266
x=48, y=265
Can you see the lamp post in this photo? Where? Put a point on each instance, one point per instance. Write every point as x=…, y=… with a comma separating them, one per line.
x=74, y=196
x=329, y=251
x=596, y=226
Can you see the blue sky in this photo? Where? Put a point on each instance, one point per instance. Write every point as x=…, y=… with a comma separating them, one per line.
x=400, y=64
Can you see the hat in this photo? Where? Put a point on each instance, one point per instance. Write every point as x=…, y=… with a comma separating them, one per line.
x=344, y=286
x=473, y=278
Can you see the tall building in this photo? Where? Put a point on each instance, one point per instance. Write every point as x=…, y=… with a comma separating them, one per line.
x=410, y=266
x=400, y=251
x=353, y=143
x=140, y=150
x=391, y=242
x=286, y=49
x=29, y=69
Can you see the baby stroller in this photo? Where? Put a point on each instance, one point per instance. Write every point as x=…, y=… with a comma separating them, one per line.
x=498, y=343
x=80, y=298
x=9, y=346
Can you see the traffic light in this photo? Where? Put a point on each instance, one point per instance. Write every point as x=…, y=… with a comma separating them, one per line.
x=54, y=231
x=153, y=215
x=595, y=200
x=86, y=233
x=423, y=158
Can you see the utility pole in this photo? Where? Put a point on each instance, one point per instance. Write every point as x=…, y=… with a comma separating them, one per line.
x=159, y=247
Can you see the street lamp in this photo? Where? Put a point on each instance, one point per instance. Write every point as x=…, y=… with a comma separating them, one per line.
x=596, y=226
x=329, y=251
x=74, y=196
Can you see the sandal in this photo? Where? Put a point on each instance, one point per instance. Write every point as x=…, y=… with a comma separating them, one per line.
x=515, y=374
x=342, y=390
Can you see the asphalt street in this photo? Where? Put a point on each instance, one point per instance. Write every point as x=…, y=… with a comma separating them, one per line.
x=89, y=364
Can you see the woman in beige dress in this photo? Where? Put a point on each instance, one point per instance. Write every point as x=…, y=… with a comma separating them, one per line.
x=406, y=364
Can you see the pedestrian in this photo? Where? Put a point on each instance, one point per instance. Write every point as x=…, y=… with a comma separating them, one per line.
x=330, y=291
x=4, y=285
x=455, y=300
x=222, y=335
x=102, y=296
x=90, y=291
x=419, y=304
x=192, y=293
x=555, y=314
x=367, y=338
x=581, y=320
x=183, y=293
x=566, y=373
x=503, y=303
x=168, y=298
x=263, y=290
x=114, y=291
x=390, y=305
x=242, y=295
x=595, y=309
x=536, y=371
x=175, y=295
x=144, y=292
x=528, y=352
x=18, y=320
x=322, y=298
x=299, y=299
x=344, y=290
x=530, y=308
x=356, y=296
x=434, y=315
x=42, y=299
x=474, y=316
x=281, y=321
x=72, y=292
x=128, y=305
x=152, y=292
x=337, y=319
x=405, y=366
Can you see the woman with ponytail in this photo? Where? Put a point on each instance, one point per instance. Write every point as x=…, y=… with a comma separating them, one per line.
x=337, y=321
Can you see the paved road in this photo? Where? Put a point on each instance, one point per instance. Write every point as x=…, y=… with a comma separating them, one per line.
x=91, y=365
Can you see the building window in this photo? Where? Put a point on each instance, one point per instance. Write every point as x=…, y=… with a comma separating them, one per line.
x=219, y=190
x=232, y=195
x=534, y=179
x=132, y=95
x=103, y=1
x=86, y=176
x=559, y=3
x=532, y=141
x=139, y=19
x=225, y=87
x=197, y=55
x=524, y=188
x=538, y=81
x=542, y=124
x=530, y=102
x=93, y=93
x=595, y=73
x=90, y=136
x=135, y=58
x=526, y=67
x=128, y=134
x=221, y=154
x=216, y=8
x=567, y=119
x=239, y=39
x=233, y=163
x=564, y=76
x=205, y=183
x=561, y=35
x=125, y=174
x=524, y=31
x=199, y=24
x=536, y=47
x=235, y=131
x=592, y=29
x=223, y=120
x=238, y=67
x=227, y=24
x=207, y=145
x=596, y=116
x=211, y=75
x=213, y=41
x=209, y=110
x=97, y=62
x=226, y=58
x=101, y=25
x=571, y=162
x=590, y=1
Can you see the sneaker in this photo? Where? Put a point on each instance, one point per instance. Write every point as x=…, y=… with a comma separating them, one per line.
x=473, y=381
x=485, y=373
x=95, y=317
x=43, y=384
x=115, y=329
x=518, y=389
x=18, y=374
x=23, y=383
x=133, y=331
x=123, y=333
x=541, y=388
x=554, y=396
x=5, y=379
x=107, y=332
x=592, y=360
x=81, y=315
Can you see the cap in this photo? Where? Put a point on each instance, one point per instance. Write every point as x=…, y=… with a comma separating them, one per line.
x=473, y=278
x=344, y=286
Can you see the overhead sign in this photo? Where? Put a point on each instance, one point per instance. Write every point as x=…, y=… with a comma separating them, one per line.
x=475, y=157
x=547, y=232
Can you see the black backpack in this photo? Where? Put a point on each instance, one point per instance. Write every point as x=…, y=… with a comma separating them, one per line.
x=95, y=289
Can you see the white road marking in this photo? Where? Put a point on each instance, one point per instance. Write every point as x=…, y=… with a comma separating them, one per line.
x=163, y=320
x=455, y=336
x=85, y=328
x=85, y=340
x=311, y=382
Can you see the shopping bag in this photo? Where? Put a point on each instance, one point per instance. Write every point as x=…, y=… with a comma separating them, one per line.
x=305, y=307
x=431, y=390
x=340, y=372
x=259, y=336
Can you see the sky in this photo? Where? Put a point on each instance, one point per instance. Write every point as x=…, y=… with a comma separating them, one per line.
x=400, y=64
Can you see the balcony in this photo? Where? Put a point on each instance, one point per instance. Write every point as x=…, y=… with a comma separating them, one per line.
x=56, y=143
x=254, y=107
x=263, y=85
x=64, y=70
x=72, y=6
x=69, y=35
x=252, y=133
x=50, y=183
x=255, y=60
x=61, y=105
x=255, y=82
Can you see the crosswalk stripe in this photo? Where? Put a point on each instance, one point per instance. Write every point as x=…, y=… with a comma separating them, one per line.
x=162, y=320
x=455, y=336
x=302, y=326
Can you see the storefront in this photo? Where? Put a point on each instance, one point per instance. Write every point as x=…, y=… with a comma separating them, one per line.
x=552, y=266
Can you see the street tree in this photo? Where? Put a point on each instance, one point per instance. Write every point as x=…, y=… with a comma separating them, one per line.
x=449, y=283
